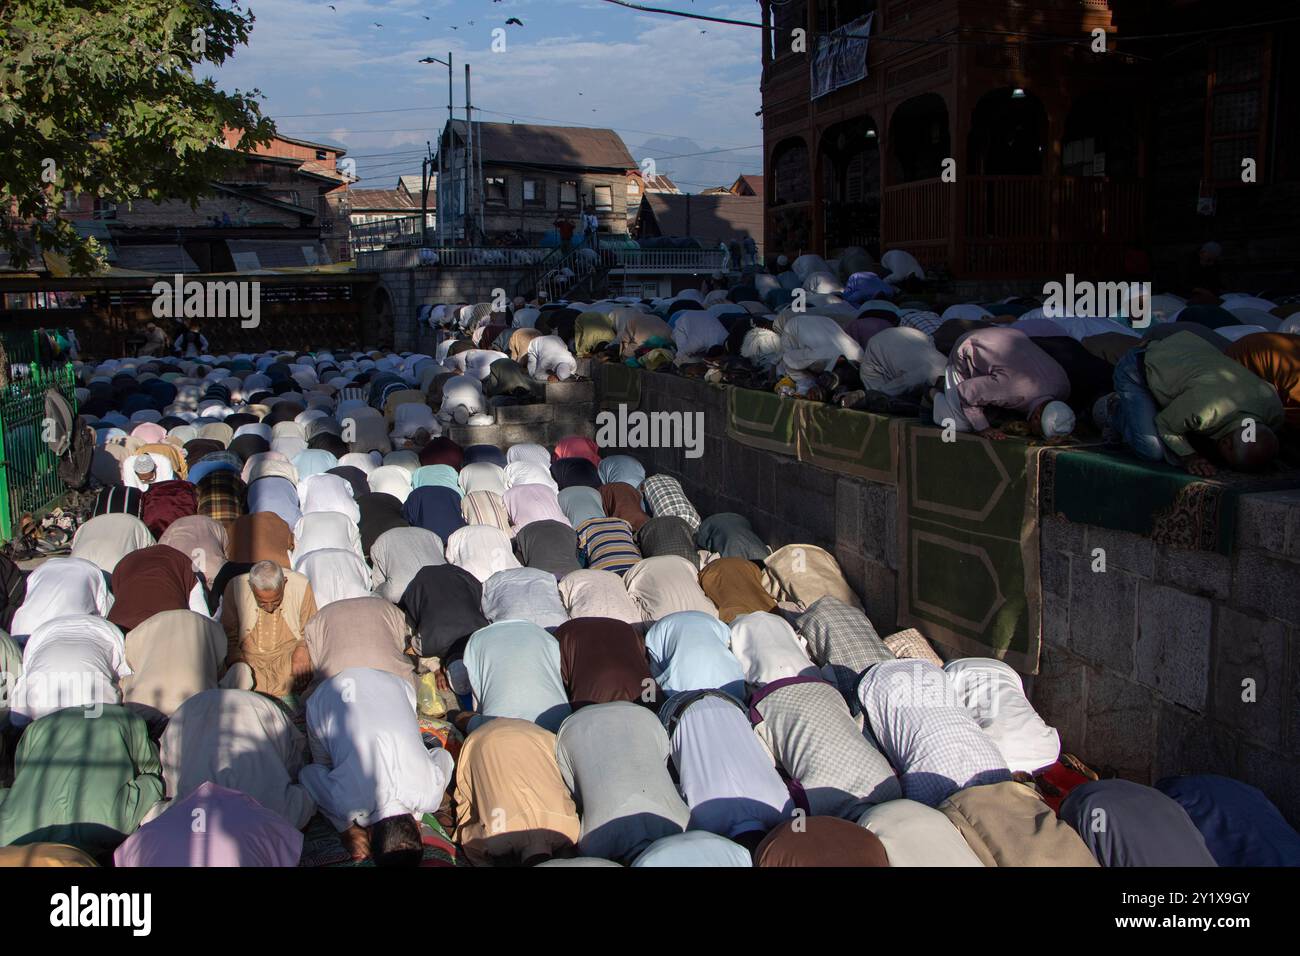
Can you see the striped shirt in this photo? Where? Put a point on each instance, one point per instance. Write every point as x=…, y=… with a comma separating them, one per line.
x=606, y=544
x=485, y=507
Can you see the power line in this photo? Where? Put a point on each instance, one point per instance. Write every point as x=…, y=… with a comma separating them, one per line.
x=402, y=109
x=477, y=109
x=638, y=146
x=1024, y=35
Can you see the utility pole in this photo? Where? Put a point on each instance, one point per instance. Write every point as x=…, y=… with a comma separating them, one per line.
x=450, y=117
x=469, y=140
x=426, y=171
x=442, y=193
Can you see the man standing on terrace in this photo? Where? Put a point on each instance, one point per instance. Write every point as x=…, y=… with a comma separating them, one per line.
x=564, y=226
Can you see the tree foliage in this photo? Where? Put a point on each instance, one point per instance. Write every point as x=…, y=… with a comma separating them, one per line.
x=101, y=98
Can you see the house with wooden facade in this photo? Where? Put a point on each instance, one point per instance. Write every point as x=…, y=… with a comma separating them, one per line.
x=970, y=155
x=532, y=176
x=1015, y=139
x=273, y=208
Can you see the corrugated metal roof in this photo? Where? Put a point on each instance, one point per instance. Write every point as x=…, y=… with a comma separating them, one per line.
x=714, y=218
x=527, y=143
x=161, y=259
x=381, y=199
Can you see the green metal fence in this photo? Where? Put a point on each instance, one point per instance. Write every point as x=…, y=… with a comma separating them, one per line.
x=29, y=480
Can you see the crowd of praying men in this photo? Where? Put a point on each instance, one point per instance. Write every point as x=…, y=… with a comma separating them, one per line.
x=1201, y=382
x=299, y=600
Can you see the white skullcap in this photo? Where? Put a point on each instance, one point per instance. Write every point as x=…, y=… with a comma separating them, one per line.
x=143, y=464
x=1057, y=420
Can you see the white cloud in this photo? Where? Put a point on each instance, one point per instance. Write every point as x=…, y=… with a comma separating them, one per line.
x=641, y=72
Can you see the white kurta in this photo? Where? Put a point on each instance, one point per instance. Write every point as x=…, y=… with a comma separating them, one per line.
x=72, y=661
x=322, y=530
x=993, y=693
x=106, y=539
x=59, y=587
x=335, y=574
x=523, y=594
x=816, y=342
x=482, y=550
x=547, y=355
x=462, y=391
x=768, y=649
x=327, y=493
x=370, y=762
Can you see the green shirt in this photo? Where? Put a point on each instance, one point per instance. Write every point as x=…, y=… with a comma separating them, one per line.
x=82, y=780
x=1202, y=391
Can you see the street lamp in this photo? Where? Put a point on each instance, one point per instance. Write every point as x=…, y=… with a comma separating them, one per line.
x=424, y=212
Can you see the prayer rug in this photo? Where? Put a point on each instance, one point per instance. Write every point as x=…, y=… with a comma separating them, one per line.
x=1113, y=489
x=763, y=420
x=855, y=443
x=322, y=845
x=968, y=544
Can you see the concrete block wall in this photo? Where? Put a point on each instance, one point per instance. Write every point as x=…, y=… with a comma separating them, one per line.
x=1173, y=661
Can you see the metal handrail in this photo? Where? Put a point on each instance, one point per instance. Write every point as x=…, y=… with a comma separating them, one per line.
x=697, y=259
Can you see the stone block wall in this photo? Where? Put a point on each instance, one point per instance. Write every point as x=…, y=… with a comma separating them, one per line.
x=569, y=409
x=408, y=289
x=1143, y=664
x=1173, y=661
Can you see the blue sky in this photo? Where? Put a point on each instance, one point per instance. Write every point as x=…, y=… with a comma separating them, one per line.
x=573, y=62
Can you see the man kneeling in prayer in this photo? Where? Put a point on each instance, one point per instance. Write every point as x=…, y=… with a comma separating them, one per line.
x=370, y=773
x=549, y=360
x=1179, y=399
x=1003, y=368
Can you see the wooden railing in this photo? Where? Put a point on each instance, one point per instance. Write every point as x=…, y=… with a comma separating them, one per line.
x=917, y=212
x=1015, y=225
x=386, y=233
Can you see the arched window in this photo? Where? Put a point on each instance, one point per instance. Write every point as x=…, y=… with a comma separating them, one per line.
x=1008, y=134
x=919, y=140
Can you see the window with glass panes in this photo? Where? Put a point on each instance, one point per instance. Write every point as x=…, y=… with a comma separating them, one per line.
x=1236, y=108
